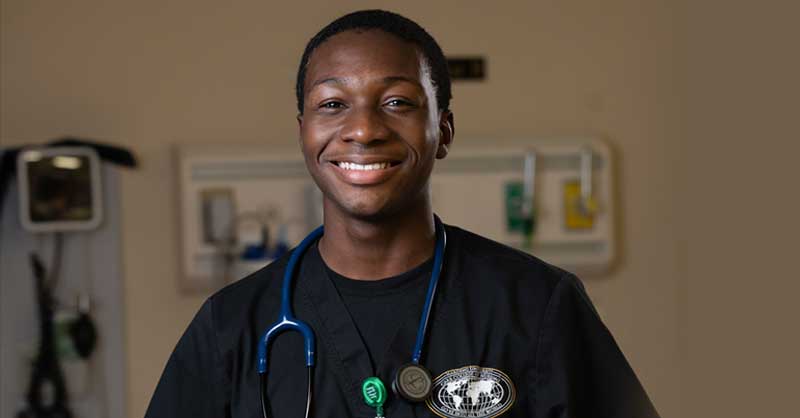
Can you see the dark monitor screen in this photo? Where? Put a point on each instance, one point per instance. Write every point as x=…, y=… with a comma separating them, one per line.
x=60, y=188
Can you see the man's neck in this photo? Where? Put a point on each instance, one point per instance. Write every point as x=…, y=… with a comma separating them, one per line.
x=366, y=250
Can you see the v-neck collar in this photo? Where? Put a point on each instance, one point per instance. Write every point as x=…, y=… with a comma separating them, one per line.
x=336, y=331
x=334, y=328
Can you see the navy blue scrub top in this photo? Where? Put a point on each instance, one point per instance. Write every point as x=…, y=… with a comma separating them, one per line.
x=510, y=335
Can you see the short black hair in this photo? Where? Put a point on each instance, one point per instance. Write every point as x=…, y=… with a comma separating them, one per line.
x=392, y=23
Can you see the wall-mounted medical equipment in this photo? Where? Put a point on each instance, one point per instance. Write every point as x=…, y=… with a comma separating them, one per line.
x=549, y=197
x=60, y=189
x=229, y=198
x=9, y=159
x=47, y=377
x=61, y=358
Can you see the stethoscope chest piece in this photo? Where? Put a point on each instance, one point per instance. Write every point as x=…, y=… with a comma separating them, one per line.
x=412, y=382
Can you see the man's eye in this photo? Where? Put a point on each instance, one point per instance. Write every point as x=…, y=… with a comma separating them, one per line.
x=399, y=103
x=332, y=105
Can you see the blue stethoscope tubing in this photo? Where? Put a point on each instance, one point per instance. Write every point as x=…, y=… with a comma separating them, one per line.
x=438, y=261
x=286, y=319
x=288, y=322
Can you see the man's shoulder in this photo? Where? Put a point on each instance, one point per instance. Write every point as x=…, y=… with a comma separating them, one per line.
x=257, y=282
x=232, y=303
x=480, y=254
x=479, y=248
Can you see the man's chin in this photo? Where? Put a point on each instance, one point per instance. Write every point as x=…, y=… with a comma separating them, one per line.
x=366, y=211
x=373, y=207
x=370, y=213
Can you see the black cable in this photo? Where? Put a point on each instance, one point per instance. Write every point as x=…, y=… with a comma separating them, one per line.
x=46, y=368
x=262, y=386
x=308, y=394
x=55, y=264
x=8, y=166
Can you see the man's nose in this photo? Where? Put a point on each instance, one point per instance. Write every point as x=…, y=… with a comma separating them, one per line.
x=364, y=125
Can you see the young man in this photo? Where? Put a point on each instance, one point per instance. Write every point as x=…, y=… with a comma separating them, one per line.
x=508, y=334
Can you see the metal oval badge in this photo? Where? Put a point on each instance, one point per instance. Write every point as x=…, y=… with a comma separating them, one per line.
x=472, y=391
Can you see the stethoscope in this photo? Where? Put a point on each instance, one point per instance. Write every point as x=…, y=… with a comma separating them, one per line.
x=412, y=381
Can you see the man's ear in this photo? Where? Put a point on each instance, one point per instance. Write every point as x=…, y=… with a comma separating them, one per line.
x=300, y=126
x=447, y=131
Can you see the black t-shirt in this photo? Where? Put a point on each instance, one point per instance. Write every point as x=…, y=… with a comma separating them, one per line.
x=509, y=335
x=378, y=307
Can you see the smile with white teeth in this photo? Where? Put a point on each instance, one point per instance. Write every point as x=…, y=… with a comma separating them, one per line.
x=362, y=167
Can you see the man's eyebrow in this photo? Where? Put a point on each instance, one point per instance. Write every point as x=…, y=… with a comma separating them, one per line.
x=397, y=78
x=385, y=80
x=334, y=80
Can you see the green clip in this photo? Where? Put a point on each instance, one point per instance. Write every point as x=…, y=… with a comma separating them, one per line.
x=374, y=393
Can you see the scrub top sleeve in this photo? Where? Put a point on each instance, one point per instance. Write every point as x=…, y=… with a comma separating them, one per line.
x=192, y=383
x=580, y=370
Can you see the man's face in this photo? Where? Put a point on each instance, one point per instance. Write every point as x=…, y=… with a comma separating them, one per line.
x=370, y=129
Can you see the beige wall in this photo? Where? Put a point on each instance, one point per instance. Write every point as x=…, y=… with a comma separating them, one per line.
x=151, y=74
x=743, y=216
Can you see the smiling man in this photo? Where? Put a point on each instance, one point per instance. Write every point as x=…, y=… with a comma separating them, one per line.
x=411, y=317
x=370, y=129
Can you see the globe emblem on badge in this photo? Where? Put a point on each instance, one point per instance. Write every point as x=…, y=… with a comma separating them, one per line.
x=471, y=396
x=472, y=392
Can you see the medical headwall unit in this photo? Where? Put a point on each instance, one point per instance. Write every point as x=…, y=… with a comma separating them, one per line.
x=553, y=198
